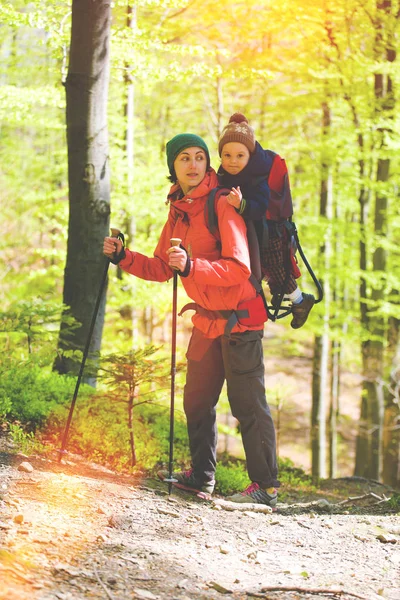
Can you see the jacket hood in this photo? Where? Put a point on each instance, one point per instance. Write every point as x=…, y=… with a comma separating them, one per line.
x=187, y=203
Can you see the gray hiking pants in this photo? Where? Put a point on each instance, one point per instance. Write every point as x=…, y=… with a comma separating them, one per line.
x=239, y=360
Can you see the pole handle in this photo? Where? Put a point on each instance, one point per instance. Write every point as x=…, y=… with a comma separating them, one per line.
x=175, y=242
x=115, y=232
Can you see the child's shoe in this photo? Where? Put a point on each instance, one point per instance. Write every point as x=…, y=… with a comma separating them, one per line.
x=301, y=311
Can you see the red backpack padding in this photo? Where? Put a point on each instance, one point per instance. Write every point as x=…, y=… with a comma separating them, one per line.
x=280, y=204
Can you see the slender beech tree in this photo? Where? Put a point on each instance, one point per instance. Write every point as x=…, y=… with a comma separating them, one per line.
x=88, y=171
x=321, y=342
x=374, y=348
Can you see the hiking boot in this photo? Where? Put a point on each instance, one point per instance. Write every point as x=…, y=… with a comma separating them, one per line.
x=256, y=495
x=185, y=480
x=301, y=311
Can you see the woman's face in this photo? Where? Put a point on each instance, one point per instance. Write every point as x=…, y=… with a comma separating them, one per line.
x=190, y=167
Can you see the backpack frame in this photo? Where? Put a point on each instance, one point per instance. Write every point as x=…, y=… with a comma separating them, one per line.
x=281, y=205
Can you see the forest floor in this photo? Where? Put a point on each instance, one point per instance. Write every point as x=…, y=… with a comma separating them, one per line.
x=77, y=531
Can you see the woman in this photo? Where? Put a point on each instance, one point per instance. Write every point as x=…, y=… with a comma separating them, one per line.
x=215, y=275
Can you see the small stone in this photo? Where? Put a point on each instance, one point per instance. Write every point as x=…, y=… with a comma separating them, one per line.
x=38, y=540
x=167, y=513
x=386, y=539
x=25, y=467
x=172, y=500
x=219, y=588
x=18, y=519
x=323, y=502
x=225, y=549
x=12, y=503
x=115, y=521
x=144, y=594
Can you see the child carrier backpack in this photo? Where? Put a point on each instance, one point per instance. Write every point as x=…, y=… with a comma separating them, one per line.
x=276, y=221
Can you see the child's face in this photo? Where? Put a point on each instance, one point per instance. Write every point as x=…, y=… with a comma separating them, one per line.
x=234, y=157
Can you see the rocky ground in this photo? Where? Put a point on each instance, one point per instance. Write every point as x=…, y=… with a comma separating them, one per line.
x=79, y=531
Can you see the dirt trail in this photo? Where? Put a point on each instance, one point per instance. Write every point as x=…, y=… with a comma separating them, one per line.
x=80, y=531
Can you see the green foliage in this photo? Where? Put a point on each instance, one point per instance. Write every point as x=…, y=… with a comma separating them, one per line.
x=31, y=327
x=30, y=393
x=5, y=405
x=231, y=477
x=24, y=441
x=100, y=432
x=394, y=501
x=124, y=373
x=291, y=476
x=157, y=420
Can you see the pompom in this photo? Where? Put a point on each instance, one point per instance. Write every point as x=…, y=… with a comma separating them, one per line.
x=238, y=118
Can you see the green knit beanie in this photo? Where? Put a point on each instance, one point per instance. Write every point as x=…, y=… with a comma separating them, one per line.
x=179, y=143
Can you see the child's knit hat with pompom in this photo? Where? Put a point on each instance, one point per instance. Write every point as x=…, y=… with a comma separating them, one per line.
x=238, y=130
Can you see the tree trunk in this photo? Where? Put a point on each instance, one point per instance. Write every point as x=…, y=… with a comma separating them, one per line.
x=130, y=222
x=334, y=407
x=391, y=425
x=360, y=468
x=321, y=344
x=130, y=427
x=88, y=172
x=373, y=348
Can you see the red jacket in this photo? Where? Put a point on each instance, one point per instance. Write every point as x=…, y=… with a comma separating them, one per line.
x=218, y=278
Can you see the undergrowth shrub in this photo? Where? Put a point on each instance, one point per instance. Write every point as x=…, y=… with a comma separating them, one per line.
x=25, y=442
x=231, y=475
x=99, y=430
x=394, y=501
x=30, y=393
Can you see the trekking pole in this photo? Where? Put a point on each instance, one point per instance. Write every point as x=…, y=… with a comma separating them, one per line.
x=114, y=233
x=171, y=480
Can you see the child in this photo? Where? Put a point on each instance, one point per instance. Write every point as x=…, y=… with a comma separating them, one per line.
x=245, y=167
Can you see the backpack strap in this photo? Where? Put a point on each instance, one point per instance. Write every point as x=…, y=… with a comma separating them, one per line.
x=230, y=316
x=210, y=213
x=211, y=219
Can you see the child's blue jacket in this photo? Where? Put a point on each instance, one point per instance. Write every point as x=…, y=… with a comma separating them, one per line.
x=253, y=182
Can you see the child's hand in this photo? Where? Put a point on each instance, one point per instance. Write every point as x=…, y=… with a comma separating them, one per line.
x=235, y=197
